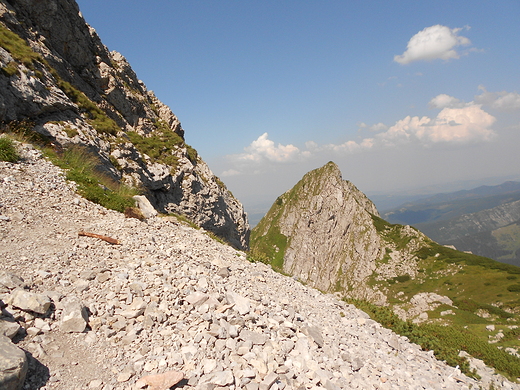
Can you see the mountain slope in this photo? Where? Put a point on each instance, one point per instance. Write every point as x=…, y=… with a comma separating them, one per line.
x=328, y=234
x=483, y=221
x=57, y=79
x=168, y=299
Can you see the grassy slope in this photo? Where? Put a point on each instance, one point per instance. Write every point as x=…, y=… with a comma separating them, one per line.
x=476, y=285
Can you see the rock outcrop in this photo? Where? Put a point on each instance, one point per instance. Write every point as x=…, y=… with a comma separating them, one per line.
x=58, y=79
x=323, y=232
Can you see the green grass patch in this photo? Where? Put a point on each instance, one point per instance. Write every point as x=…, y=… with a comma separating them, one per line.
x=472, y=306
x=97, y=118
x=216, y=238
x=453, y=256
x=184, y=220
x=18, y=48
x=80, y=167
x=161, y=145
x=392, y=233
x=271, y=246
x=8, y=150
x=10, y=69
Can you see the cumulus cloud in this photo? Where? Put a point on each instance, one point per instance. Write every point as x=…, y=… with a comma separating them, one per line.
x=504, y=101
x=264, y=149
x=443, y=101
x=456, y=125
x=457, y=122
x=435, y=42
x=230, y=172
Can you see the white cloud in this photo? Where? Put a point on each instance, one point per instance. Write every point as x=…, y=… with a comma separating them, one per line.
x=456, y=125
x=504, y=101
x=230, y=172
x=264, y=149
x=435, y=42
x=443, y=101
x=378, y=127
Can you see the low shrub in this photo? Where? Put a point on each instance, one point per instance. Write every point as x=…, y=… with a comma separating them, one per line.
x=8, y=150
x=513, y=288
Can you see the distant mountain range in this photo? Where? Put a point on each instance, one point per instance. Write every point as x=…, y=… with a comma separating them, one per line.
x=484, y=220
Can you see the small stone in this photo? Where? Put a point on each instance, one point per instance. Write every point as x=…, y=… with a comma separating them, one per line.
x=241, y=304
x=197, y=298
x=11, y=281
x=124, y=376
x=222, y=378
x=95, y=384
x=160, y=381
x=268, y=381
x=224, y=272
x=74, y=317
x=255, y=337
x=9, y=327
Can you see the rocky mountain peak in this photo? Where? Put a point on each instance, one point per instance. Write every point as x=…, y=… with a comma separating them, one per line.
x=322, y=231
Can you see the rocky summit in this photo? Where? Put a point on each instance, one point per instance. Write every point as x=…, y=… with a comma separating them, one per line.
x=99, y=301
x=322, y=231
x=59, y=81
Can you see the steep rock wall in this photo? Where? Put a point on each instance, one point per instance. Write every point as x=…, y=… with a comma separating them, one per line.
x=60, y=79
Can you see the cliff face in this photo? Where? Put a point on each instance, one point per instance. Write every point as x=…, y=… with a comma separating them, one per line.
x=323, y=232
x=60, y=79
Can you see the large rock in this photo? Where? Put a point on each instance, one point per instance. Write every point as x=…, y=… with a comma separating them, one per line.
x=28, y=301
x=13, y=365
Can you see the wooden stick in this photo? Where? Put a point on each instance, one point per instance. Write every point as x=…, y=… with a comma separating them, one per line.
x=104, y=238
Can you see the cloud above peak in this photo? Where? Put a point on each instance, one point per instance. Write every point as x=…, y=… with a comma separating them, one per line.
x=263, y=149
x=435, y=42
x=451, y=125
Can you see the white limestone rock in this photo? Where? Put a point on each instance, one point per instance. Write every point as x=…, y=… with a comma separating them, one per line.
x=74, y=317
x=29, y=301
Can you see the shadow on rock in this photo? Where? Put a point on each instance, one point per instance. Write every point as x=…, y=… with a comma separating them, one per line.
x=37, y=375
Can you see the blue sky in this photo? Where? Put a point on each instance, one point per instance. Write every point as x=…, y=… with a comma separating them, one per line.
x=399, y=94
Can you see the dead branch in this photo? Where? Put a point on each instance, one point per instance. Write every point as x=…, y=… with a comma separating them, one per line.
x=104, y=238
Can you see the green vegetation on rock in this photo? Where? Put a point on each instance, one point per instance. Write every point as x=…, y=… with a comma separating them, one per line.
x=80, y=167
x=446, y=341
x=162, y=144
x=96, y=116
x=18, y=48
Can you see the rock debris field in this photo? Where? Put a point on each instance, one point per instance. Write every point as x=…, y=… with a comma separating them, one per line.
x=170, y=307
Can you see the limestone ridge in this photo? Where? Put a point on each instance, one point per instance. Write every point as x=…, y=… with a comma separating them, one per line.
x=323, y=231
x=60, y=78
